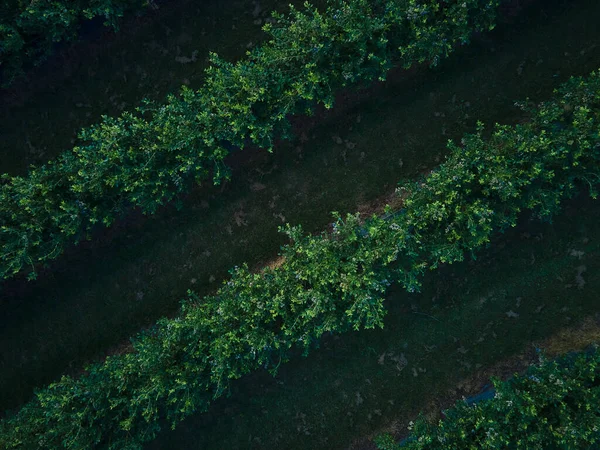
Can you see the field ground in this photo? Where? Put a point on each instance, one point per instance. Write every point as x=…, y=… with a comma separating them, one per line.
x=101, y=294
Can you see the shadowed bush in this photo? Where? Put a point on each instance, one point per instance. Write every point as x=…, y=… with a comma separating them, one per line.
x=30, y=29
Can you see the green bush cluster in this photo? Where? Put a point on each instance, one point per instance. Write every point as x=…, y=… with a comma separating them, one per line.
x=29, y=29
x=333, y=282
x=555, y=405
x=147, y=157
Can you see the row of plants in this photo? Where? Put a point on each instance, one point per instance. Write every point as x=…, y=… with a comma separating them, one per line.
x=328, y=283
x=29, y=30
x=148, y=157
x=556, y=404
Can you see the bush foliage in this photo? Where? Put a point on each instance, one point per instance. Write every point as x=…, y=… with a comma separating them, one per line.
x=555, y=405
x=147, y=157
x=30, y=29
x=332, y=282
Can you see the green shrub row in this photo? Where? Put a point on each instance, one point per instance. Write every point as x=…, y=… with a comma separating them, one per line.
x=30, y=29
x=555, y=405
x=333, y=282
x=147, y=157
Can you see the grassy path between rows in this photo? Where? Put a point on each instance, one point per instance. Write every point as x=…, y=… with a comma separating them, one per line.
x=100, y=296
x=533, y=282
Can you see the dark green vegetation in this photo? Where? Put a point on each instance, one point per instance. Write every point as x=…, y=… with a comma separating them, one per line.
x=556, y=404
x=29, y=30
x=147, y=157
x=151, y=289
x=106, y=295
x=327, y=283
